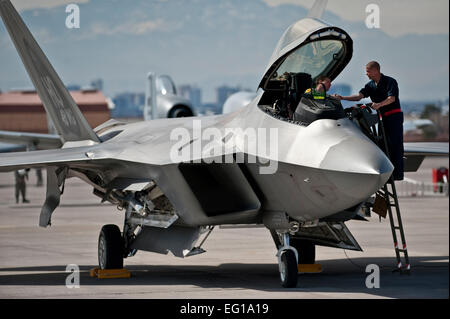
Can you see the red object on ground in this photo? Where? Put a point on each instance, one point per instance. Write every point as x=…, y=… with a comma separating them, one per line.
x=438, y=177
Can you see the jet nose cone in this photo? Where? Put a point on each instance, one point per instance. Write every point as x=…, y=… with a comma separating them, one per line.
x=358, y=156
x=366, y=165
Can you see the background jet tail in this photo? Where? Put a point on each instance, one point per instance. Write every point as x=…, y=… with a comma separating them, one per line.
x=59, y=104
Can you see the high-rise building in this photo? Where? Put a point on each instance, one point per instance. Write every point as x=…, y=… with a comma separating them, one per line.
x=97, y=84
x=128, y=105
x=192, y=93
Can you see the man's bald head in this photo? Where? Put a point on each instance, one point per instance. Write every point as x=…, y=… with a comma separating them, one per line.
x=373, y=65
x=373, y=71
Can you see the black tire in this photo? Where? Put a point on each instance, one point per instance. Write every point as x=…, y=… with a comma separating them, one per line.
x=289, y=270
x=306, y=250
x=110, y=248
x=180, y=111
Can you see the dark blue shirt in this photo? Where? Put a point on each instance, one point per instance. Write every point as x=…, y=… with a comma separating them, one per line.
x=387, y=86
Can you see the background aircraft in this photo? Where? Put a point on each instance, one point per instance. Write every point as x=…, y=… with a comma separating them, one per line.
x=161, y=92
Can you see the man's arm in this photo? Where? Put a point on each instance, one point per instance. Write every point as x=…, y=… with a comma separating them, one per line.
x=389, y=100
x=355, y=98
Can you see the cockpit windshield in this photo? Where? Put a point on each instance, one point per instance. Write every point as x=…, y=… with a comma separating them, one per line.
x=315, y=58
x=165, y=85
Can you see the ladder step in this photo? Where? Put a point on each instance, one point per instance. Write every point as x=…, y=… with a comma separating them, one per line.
x=402, y=250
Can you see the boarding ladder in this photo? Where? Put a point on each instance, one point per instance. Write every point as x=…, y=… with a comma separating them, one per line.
x=388, y=191
x=392, y=204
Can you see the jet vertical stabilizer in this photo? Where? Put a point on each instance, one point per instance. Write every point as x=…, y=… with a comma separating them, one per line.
x=59, y=104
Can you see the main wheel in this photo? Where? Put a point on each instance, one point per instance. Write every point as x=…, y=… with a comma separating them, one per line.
x=306, y=250
x=288, y=269
x=110, y=248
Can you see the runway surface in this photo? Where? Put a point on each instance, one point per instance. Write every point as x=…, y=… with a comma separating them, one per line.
x=239, y=263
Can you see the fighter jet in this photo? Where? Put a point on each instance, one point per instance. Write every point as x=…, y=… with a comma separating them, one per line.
x=287, y=161
x=162, y=101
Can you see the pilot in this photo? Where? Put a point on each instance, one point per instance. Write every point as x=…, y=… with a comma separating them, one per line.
x=323, y=84
x=383, y=91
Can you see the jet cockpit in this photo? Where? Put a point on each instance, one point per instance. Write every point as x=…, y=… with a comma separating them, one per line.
x=298, y=61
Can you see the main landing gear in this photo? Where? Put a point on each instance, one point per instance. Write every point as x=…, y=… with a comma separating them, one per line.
x=110, y=248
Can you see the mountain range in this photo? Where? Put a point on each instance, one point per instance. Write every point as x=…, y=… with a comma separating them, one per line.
x=208, y=43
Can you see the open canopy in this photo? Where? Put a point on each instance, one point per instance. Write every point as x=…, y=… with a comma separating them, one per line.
x=312, y=47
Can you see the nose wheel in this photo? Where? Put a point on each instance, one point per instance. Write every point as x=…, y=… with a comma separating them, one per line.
x=287, y=262
x=288, y=269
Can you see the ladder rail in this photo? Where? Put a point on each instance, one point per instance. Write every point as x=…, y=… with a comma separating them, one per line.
x=380, y=136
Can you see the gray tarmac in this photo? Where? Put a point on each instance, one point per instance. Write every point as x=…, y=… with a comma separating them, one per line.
x=239, y=263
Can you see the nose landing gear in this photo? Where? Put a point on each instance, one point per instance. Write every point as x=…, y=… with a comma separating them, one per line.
x=287, y=262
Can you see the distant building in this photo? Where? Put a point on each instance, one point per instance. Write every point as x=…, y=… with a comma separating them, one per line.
x=128, y=105
x=23, y=110
x=74, y=87
x=341, y=89
x=209, y=109
x=223, y=92
x=97, y=84
x=192, y=93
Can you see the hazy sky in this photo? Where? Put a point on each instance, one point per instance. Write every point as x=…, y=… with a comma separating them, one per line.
x=398, y=17
x=215, y=42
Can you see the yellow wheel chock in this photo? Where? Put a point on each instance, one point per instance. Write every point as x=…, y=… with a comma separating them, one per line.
x=110, y=273
x=309, y=268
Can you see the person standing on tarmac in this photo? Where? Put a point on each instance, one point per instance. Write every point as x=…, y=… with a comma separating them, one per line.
x=383, y=91
x=20, y=176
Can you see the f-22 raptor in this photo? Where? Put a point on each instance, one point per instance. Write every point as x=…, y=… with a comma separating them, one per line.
x=287, y=161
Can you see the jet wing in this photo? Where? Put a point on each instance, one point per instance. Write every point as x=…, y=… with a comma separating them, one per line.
x=66, y=162
x=416, y=152
x=8, y=147
x=33, y=140
x=59, y=157
x=426, y=149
